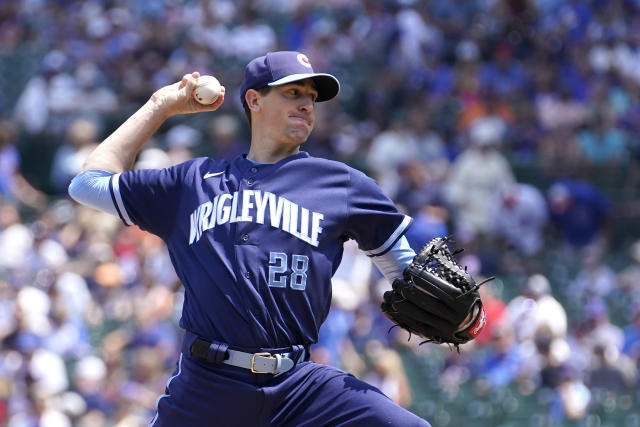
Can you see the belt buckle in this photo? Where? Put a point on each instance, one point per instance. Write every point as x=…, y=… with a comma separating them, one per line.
x=253, y=361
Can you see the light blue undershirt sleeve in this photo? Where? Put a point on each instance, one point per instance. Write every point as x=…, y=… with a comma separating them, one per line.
x=393, y=262
x=91, y=188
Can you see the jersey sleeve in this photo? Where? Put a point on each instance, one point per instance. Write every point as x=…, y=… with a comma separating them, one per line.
x=373, y=221
x=149, y=198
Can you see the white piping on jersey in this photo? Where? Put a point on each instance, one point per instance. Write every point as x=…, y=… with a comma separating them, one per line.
x=283, y=214
x=115, y=182
x=391, y=240
x=166, y=395
x=393, y=263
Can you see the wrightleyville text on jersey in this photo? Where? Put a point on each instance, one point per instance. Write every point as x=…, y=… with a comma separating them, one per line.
x=283, y=214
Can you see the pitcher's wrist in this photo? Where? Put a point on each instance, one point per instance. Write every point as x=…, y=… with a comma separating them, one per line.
x=157, y=107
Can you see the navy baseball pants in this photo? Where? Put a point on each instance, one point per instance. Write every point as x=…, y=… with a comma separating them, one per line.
x=310, y=394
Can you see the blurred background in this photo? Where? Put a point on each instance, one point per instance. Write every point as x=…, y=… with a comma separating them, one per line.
x=512, y=124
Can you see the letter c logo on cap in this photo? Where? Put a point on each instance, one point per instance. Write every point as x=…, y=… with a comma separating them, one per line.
x=302, y=58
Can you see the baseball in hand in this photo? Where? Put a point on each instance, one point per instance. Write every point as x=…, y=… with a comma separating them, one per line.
x=207, y=90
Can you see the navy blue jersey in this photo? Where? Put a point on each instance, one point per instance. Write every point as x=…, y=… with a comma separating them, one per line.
x=255, y=246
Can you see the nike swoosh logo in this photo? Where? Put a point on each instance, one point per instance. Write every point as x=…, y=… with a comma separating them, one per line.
x=209, y=174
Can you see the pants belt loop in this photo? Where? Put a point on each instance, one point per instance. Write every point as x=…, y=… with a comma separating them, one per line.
x=217, y=352
x=297, y=353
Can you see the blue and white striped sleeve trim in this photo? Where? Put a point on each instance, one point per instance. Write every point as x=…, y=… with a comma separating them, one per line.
x=99, y=190
x=393, y=263
x=91, y=188
x=392, y=239
x=117, y=199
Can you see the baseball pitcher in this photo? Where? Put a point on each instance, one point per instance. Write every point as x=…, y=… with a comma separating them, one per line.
x=255, y=241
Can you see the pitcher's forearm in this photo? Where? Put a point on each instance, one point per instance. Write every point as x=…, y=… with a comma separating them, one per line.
x=118, y=152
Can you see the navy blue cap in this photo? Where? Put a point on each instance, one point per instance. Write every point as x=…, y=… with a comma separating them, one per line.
x=278, y=68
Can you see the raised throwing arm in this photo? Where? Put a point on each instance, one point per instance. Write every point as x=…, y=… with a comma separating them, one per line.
x=117, y=153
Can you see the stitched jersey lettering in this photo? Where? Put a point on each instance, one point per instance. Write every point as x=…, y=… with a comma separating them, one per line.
x=251, y=206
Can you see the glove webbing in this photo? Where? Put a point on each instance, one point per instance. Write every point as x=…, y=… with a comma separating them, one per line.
x=438, y=260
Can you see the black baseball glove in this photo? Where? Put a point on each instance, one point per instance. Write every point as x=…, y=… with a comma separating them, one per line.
x=437, y=299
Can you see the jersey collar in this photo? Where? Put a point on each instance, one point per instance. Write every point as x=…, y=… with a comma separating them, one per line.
x=244, y=165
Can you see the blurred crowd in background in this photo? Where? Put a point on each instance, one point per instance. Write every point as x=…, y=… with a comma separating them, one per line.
x=511, y=124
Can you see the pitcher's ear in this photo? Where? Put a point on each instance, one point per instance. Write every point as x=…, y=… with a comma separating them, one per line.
x=252, y=98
